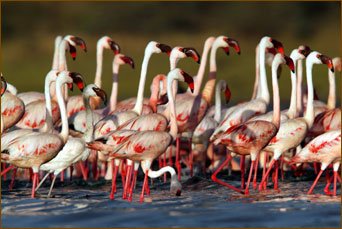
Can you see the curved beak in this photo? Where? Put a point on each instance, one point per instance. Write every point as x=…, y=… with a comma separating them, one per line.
x=271, y=50
x=189, y=80
x=164, y=48
x=235, y=44
x=227, y=94
x=77, y=79
x=327, y=60
x=72, y=51
x=304, y=49
x=289, y=62
x=163, y=99
x=278, y=45
x=128, y=60
x=79, y=41
x=101, y=93
x=191, y=52
x=71, y=87
x=3, y=85
x=114, y=46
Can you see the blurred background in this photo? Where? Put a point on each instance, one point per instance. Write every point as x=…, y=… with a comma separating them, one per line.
x=28, y=30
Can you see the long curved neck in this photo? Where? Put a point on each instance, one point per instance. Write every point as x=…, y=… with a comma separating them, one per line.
x=62, y=59
x=263, y=92
x=309, y=113
x=173, y=64
x=201, y=70
x=88, y=134
x=276, y=98
x=292, y=112
x=173, y=120
x=299, y=88
x=332, y=94
x=217, y=115
x=208, y=89
x=56, y=54
x=158, y=173
x=48, y=125
x=99, y=61
x=155, y=91
x=139, y=104
x=257, y=72
x=65, y=126
x=114, y=94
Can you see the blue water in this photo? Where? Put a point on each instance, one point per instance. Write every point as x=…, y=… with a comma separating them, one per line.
x=203, y=203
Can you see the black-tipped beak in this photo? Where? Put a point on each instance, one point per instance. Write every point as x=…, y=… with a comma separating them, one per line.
x=191, y=52
x=114, y=46
x=72, y=51
x=128, y=60
x=189, y=80
x=79, y=41
x=235, y=44
x=328, y=61
x=289, y=62
x=77, y=79
x=278, y=45
x=164, y=48
x=101, y=93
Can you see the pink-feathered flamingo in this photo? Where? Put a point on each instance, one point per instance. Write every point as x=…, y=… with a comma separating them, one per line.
x=75, y=148
x=293, y=131
x=251, y=137
x=33, y=117
x=75, y=103
x=32, y=150
x=326, y=149
x=148, y=145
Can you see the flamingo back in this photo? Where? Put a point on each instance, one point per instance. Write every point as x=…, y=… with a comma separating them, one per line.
x=12, y=109
x=78, y=120
x=326, y=121
x=153, y=121
x=31, y=96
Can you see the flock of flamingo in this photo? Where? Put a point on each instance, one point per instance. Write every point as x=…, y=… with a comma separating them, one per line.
x=58, y=134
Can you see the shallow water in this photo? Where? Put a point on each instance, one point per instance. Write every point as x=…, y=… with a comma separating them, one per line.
x=203, y=203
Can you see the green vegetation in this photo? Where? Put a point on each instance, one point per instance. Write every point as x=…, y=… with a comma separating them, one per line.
x=29, y=30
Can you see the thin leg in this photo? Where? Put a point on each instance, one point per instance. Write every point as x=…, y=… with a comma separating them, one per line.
x=128, y=178
x=6, y=170
x=160, y=162
x=34, y=184
x=314, y=184
x=164, y=165
x=191, y=156
x=276, y=175
x=250, y=175
x=255, y=172
x=13, y=178
x=338, y=178
x=122, y=172
x=94, y=164
x=326, y=189
x=132, y=185
x=170, y=157
x=62, y=176
x=335, y=179
x=178, y=165
x=114, y=173
x=265, y=176
x=143, y=188
x=31, y=175
x=84, y=172
x=315, y=167
x=264, y=168
x=282, y=167
x=242, y=169
x=147, y=188
x=71, y=171
x=42, y=181
x=51, y=187
x=213, y=177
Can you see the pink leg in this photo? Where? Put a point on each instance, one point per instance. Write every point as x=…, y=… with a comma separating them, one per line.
x=314, y=184
x=276, y=175
x=71, y=171
x=147, y=188
x=164, y=165
x=255, y=172
x=249, y=177
x=170, y=157
x=13, y=178
x=213, y=177
x=114, y=173
x=34, y=184
x=242, y=169
x=264, y=168
x=288, y=163
x=178, y=165
x=62, y=176
x=326, y=189
x=265, y=176
x=160, y=162
x=127, y=182
x=191, y=157
x=94, y=164
x=132, y=185
x=84, y=172
x=143, y=188
x=282, y=167
x=338, y=178
x=122, y=172
x=335, y=179
x=6, y=170
x=315, y=167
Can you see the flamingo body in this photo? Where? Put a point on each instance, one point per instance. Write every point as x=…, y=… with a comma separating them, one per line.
x=31, y=96
x=78, y=120
x=12, y=109
x=326, y=121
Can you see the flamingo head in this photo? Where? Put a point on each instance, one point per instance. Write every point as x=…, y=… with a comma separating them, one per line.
x=155, y=47
x=226, y=42
x=289, y=62
x=122, y=59
x=76, y=79
x=72, y=42
x=278, y=45
x=188, y=79
x=175, y=186
x=304, y=49
x=108, y=43
x=191, y=52
x=337, y=63
x=3, y=85
x=227, y=93
x=93, y=90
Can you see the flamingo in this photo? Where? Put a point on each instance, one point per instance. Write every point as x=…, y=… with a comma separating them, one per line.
x=147, y=145
x=75, y=103
x=326, y=149
x=33, y=150
x=32, y=96
x=330, y=119
x=293, y=131
x=33, y=117
x=251, y=137
x=3, y=89
x=75, y=148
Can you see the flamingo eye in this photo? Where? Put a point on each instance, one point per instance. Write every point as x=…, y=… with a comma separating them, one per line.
x=157, y=44
x=182, y=72
x=318, y=56
x=69, y=74
x=270, y=39
x=180, y=49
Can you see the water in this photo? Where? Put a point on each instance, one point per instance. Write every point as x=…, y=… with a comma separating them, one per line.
x=203, y=203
